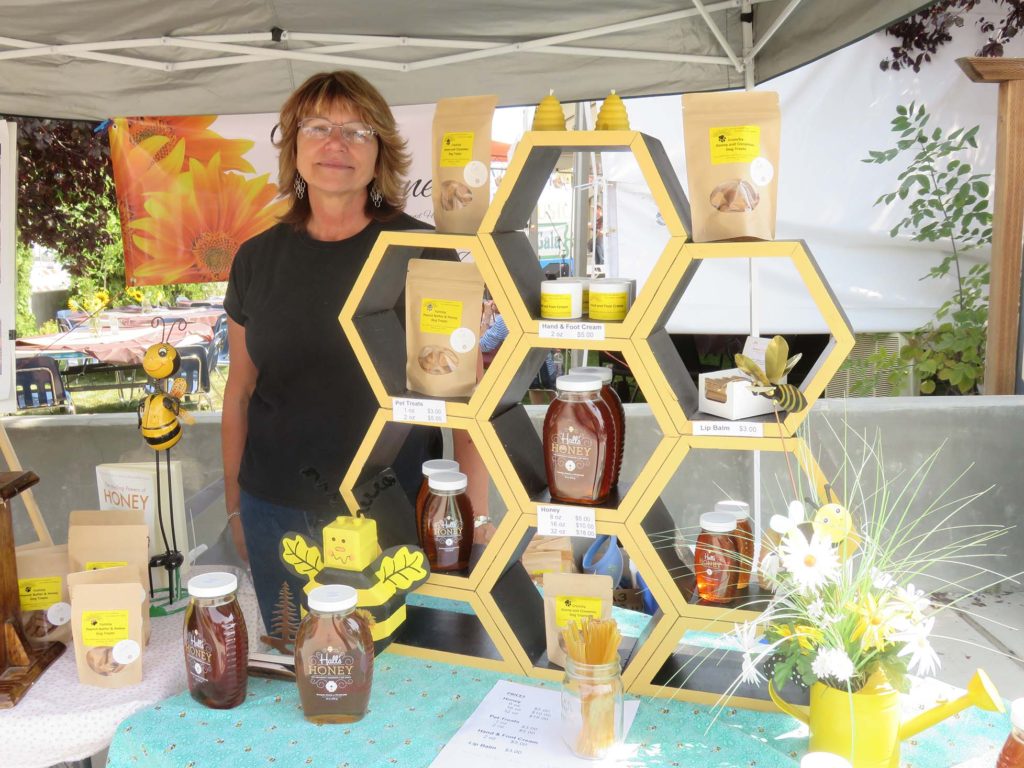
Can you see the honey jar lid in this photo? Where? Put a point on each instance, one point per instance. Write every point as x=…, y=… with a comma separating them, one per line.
x=1017, y=714
x=718, y=522
x=739, y=508
x=434, y=466
x=332, y=598
x=447, y=481
x=609, y=285
x=605, y=374
x=213, y=584
x=579, y=382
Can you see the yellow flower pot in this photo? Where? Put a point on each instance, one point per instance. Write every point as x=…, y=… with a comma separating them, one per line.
x=865, y=728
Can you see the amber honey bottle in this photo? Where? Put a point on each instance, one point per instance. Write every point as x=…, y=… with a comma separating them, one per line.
x=715, y=557
x=216, y=641
x=579, y=442
x=429, y=468
x=744, y=539
x=611, y=397
x=446, y=523
x=334, y=657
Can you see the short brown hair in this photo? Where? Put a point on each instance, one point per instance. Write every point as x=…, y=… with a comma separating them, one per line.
x=321, y=92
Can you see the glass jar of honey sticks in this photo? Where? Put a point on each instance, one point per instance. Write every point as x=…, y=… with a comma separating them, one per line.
x=592, y=691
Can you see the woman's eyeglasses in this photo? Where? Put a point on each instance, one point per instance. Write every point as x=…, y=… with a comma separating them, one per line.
x=320, y=129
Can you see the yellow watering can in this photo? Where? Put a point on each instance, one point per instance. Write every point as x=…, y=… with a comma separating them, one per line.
x=865, y=727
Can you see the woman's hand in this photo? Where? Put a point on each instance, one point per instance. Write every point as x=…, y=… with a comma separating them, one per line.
x=238, y=535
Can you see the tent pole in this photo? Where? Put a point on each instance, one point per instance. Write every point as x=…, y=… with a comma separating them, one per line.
x=747, y=21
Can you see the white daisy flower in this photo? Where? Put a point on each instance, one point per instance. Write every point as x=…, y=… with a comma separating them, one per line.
x=749, y=673
x=914, y=599
x=746, y=635
x=923, y=659
x=816, y=610
x=812, y=564
x=832, y=664
x=770, y=569
x=881, y=579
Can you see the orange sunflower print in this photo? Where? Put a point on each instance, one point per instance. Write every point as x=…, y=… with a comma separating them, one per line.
x=193, y=229
x=200, y=142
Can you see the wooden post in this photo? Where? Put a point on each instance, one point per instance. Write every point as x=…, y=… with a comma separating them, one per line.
x=1002, y=371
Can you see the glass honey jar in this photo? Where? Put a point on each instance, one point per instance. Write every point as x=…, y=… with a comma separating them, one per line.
x=715, y=558
x=446, y=525
x=216, y=641
x=579, y=441
x=334, y=657
x=429, y=468
x=610, y=396
x=744, y=539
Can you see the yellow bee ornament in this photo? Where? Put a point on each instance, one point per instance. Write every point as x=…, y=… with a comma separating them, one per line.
x=834, y=522
x=769, y=381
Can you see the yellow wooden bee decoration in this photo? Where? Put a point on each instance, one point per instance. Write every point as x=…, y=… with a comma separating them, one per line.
x=834, y=522
x=158, y=417
x=768, y=381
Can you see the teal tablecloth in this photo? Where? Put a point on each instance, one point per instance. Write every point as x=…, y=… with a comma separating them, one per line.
x=416, y=706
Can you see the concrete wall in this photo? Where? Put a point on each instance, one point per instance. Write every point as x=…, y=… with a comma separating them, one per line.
x=980, y=435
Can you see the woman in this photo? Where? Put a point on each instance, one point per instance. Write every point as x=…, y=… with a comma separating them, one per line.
x=296, y=404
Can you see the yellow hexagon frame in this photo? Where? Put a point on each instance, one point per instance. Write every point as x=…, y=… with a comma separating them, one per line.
x=379, y=448
x=517, y=448
x=534, y=159
x=650, y=518
x=516, y=606
x=374, y=329
x=674, y=382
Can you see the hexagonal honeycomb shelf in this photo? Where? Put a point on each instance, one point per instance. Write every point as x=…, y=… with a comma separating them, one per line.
x=674, y=380
x=375, y=325
x=659, y=533
x=514, y=259
x=518, y=449
x=517, y=608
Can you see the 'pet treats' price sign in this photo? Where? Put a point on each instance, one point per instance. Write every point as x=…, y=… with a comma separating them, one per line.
x=560, y=329
x=424, y=411
x=560, y=520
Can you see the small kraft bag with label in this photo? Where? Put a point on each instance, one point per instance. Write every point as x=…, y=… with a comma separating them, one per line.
x=43, y=594
x=569, y=596
x=443, y=301
x=106, y=621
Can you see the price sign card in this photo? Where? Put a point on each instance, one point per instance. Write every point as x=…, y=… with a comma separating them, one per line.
x=728, y=428
x=567, y=329
x=560, y=520
x=521, y=725
x=428, y=411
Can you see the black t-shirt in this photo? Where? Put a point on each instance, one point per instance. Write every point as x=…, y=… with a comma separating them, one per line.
x=312, y=404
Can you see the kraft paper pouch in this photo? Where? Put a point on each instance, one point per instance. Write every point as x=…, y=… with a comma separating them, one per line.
x=443, y=304
x=106, y=622
x=548, y=554
x=569, y=596
x=732, y=164
x=43, y=593
x=462, y=162
x=110, y=538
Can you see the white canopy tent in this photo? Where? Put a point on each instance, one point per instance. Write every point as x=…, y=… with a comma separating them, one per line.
x=99, y=58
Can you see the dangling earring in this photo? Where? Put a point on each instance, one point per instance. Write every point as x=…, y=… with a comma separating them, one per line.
x=375, y=195
x=300, y=187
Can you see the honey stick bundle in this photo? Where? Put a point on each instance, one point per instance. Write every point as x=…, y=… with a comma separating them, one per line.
x=591, y=646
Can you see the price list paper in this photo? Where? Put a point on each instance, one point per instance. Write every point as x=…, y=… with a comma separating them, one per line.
x=518, y=725
x=561, y=520
x=427, y=411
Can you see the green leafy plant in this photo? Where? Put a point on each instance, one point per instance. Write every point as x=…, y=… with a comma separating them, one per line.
x=948, y=204
x=24, y=318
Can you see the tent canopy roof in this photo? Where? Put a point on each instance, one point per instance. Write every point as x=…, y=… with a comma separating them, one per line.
x=93, y=59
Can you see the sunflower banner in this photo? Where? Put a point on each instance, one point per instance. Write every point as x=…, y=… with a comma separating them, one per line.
x=189, y=195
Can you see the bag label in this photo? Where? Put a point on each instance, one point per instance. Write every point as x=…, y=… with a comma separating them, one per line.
x=104, y=627
x=573, y=607
x=440, y=316
x=735, y=144
x=99, y=565
x=39, y=593
x=456, y=149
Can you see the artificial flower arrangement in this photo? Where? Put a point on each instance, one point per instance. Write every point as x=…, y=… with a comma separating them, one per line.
x=849, y=618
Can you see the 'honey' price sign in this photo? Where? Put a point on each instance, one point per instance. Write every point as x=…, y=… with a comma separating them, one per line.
x=423, y=411
x=561, y=329
x=561, y=520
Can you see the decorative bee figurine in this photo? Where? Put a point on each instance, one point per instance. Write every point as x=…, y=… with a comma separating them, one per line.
x=159, y=413
x=351, y=556
x=776, y=365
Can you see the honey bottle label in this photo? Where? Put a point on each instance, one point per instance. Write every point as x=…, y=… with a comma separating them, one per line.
x=329, y=673
x=199, y=655
x=447, y=540
x=573, y=452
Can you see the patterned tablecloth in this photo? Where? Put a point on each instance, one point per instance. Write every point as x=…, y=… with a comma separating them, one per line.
x=416, y=706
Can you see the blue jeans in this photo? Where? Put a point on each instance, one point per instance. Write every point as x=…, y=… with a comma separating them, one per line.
x=278, y=589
